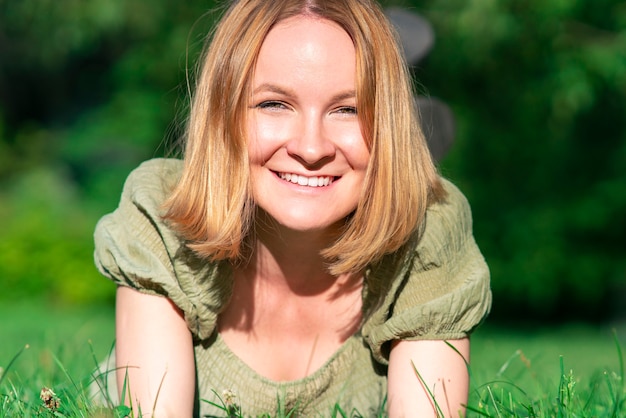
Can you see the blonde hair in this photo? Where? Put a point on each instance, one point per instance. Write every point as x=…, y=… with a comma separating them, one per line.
x=212, y=205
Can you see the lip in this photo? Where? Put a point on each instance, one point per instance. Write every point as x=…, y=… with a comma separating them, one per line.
x=306, y=181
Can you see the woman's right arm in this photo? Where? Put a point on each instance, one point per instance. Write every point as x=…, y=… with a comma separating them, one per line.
x=154, y=355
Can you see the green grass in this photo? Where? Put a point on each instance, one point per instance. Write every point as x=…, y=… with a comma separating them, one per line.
x=569, y=371
x=43, y=346
x=565, y=371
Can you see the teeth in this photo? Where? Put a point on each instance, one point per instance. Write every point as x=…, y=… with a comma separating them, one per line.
x=306, y=181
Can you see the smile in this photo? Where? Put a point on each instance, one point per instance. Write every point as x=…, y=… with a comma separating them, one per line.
x=306, y=181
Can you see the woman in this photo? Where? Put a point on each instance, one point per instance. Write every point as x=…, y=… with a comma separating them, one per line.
x=305, y=255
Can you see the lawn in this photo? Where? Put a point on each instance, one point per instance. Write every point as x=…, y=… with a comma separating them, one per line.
x=566, y=370
x=571, y=370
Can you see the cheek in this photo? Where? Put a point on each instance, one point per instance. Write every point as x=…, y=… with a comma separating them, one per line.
x=265, y=137
x=356, y=151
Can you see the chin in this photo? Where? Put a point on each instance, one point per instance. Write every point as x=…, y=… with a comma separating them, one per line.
x=300, y=225
x=304, y=222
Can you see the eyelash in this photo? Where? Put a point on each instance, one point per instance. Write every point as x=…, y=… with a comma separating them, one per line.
x=271, y=104
x=348, y=109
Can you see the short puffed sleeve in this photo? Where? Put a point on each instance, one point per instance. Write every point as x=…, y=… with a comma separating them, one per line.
x=440, y=291
x=134, y=247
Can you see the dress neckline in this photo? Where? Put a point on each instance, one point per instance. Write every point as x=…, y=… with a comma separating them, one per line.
x=316, y=376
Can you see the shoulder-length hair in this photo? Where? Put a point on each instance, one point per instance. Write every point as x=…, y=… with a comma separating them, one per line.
x=212, y=207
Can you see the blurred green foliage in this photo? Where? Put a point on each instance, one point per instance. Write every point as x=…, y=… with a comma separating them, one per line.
x=90, y=89
x=87, y=91
x=539, y=89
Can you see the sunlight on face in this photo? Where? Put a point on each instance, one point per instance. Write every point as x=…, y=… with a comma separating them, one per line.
x=308, y=158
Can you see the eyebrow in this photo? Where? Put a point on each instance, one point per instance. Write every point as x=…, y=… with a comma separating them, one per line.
x=273, y=88
x=349, y=94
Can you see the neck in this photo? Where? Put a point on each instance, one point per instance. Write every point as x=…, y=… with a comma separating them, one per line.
x=292, y=259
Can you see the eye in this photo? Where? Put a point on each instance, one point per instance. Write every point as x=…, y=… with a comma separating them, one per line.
x=347, y=110
x=271, y=105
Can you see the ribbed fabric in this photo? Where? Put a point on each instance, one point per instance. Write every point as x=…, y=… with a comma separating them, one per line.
x=439, y=291
x=346, y=380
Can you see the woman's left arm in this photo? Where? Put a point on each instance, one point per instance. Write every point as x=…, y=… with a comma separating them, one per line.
x=442, y=372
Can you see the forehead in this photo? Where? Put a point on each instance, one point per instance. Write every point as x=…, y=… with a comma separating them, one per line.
x=306, y=46
x=307, y=26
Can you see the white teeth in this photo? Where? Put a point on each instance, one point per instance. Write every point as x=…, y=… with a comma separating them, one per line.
x=306, y=181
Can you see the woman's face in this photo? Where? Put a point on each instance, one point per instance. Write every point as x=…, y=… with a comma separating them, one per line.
x=307, y=154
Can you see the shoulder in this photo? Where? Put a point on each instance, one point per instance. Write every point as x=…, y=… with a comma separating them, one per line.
x=446, y=246
x=138, y=216
x=134, y=234
x=441, y=289
x=135, y=247
x=152, y=180
x=449, y=219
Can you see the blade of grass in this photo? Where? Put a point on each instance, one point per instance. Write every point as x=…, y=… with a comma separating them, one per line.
x=65, y=372
x=430, y=393
x=15, y=357
x=158, y=393
x=620, y=359
x=507, y=363
x=477, y=411
x=493, y=400
x=100, y=377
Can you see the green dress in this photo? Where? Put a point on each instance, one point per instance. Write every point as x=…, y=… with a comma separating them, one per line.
x=439, y=291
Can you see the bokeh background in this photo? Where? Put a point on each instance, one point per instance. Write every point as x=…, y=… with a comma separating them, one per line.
x=89, y=89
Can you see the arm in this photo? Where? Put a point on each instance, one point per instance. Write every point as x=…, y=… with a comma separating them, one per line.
x=442, y=369
x=154, y=352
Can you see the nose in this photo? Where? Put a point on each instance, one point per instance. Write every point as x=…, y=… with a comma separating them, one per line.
x=310, y=144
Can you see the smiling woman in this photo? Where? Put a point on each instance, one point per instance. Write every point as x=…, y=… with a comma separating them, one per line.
x=305, y=255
